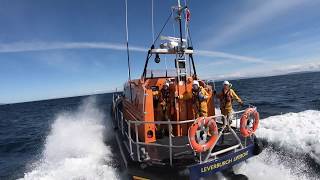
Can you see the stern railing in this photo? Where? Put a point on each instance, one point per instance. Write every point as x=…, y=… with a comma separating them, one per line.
x=118, y=115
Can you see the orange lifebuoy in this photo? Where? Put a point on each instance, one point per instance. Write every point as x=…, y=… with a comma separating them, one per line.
x=244, y=129
x=213, y=131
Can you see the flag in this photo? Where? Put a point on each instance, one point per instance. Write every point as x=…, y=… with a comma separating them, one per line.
x=188, y=14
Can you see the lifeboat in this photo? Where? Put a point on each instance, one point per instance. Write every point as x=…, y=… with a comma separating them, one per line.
x=160, y=134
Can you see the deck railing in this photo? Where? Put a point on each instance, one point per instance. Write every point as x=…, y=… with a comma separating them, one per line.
x=118, y=115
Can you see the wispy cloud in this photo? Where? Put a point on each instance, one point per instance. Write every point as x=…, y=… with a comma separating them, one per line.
x=265, y=11
x=280, y=69
x=44, y=46
x=229, y=56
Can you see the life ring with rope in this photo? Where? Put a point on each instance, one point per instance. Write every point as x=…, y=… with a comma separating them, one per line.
x=199, y=131
x=245, y=129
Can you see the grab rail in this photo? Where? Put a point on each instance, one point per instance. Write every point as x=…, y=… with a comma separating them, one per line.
x=136, y=141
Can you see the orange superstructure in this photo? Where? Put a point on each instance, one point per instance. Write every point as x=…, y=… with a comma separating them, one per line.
x=143, y=99
x=141, y=106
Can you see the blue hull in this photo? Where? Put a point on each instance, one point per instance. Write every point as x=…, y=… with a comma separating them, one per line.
x=227, y=161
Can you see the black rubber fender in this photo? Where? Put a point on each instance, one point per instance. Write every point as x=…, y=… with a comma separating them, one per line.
x=239, y=177
x=258, y=146
x=229, y=174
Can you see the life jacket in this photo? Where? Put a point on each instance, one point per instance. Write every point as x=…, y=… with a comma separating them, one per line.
x=195, y=96
x=165, y=94
x=226, y=98
x=166, y=98
x=197, y=101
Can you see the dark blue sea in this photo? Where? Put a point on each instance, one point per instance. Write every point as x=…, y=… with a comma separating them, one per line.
x=72, y=138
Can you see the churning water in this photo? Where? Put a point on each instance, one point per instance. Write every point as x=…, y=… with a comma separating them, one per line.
x=71, y=138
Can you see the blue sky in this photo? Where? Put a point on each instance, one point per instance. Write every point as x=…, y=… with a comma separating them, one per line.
x=61, y=48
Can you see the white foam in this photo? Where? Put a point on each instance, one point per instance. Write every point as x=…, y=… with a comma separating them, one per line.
x=75, y=148
x=270, y=165
x=295, y=132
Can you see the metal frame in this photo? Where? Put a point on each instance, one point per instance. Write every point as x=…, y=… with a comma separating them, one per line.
x=210, y=156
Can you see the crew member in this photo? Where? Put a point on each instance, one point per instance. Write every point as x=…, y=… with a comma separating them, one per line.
x=165, y=103
x=164, y=108
x=199, y=98
x=226, y=98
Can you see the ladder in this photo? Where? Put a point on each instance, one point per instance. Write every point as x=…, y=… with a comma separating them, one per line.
x=181, y=69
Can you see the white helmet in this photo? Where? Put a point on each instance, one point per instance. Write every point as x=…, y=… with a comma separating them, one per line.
x=195, y=82
x=226, y=83
x=166, y=84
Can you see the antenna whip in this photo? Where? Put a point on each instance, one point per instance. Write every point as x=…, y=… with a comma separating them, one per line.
x=128, y=54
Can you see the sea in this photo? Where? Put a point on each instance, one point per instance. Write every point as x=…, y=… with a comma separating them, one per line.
x=72, y=138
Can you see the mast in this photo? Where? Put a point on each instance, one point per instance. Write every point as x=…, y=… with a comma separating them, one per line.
x=175, y=45
x=180, y=23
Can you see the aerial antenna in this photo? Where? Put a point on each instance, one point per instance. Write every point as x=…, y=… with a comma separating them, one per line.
x=165, y=62
x=128, y=54
x=186, y=22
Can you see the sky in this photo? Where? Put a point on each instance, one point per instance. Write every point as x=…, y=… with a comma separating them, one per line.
x=58, y=48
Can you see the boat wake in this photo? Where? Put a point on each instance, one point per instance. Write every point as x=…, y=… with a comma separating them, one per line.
x=295, y=132
x=293, y=150
x=75, y=147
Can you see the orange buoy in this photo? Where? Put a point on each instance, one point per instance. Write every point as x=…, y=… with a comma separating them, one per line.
x=244, y=129
x=203, y=123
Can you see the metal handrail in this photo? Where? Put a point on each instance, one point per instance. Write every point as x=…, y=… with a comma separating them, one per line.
x=175, y=122
x=169, y=123
x=157, y=144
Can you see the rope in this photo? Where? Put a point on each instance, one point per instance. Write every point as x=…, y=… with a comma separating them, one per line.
x=152, y=21
x=173, y=23
x=163, y=28
x=190, y=39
